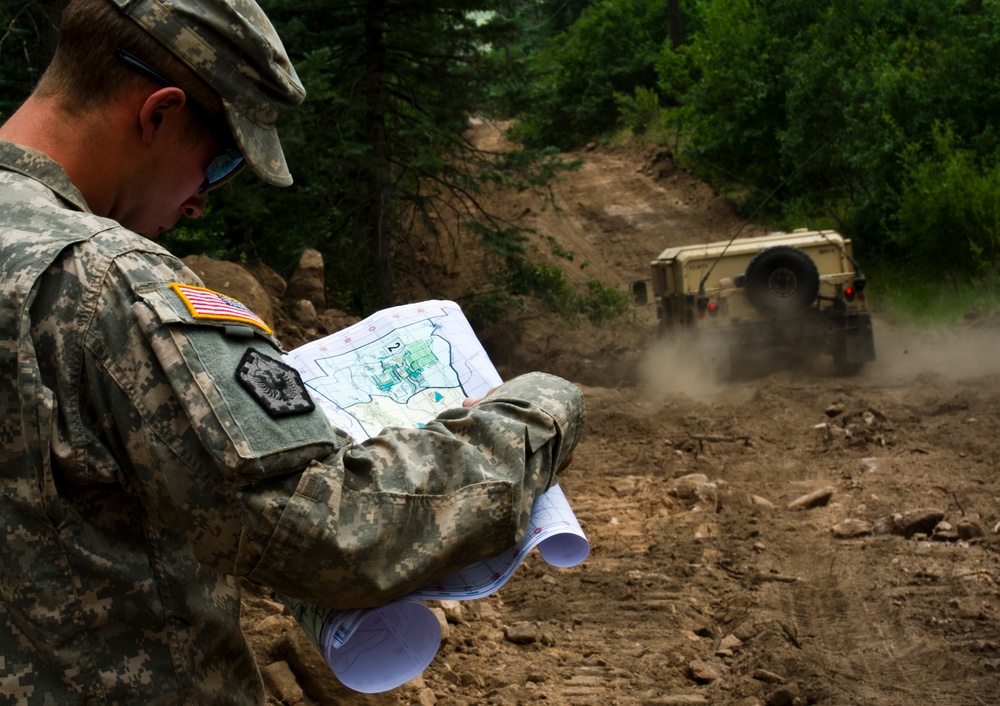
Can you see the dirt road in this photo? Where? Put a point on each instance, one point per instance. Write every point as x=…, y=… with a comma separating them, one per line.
x=797, y=538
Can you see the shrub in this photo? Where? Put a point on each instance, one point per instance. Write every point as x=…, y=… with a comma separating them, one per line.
x=949, y=214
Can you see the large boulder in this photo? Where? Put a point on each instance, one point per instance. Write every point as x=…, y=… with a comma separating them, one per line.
x=307, y=281
x=270, y=280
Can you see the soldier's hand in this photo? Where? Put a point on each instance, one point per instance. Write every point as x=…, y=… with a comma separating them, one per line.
x=469, y=401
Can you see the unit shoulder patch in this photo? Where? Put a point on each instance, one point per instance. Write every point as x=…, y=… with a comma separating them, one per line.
x=274, y=385
x=207, y=304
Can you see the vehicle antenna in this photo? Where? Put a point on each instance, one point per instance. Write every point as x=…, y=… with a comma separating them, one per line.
x=701, y=284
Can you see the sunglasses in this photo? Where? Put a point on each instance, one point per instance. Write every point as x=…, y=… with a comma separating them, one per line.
x=230, y=161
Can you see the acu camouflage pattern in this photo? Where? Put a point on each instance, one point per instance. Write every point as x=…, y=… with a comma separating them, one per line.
x=142, y=482
x=233, y=47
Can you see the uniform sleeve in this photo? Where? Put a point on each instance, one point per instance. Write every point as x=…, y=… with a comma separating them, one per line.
x=290, y=502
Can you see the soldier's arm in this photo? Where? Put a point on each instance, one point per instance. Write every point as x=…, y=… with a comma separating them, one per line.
x=290, y=502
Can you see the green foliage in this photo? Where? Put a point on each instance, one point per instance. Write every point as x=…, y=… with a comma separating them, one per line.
x=830, y=95
x=516, y=275
x=612, y=48
x=548, y=284
x=735, y=110
x=490, y=307
x=530, y=25
x=545, y=282
x=898, y=296
x=891, y=71
x=506, y=243
x=183, y=241
x=602, y=303
x=949, y=215
x=639, y=111
x=522, y=277
x=676, y=73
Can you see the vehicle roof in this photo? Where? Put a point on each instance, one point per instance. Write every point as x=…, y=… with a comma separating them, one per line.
x=738, y=246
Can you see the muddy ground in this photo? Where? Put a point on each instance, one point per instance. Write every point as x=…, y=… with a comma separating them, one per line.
x=745, y=543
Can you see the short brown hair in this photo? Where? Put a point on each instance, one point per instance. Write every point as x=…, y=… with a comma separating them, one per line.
x=86, y=71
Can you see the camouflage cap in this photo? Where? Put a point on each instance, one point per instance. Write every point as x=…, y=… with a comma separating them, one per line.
x=233, y=47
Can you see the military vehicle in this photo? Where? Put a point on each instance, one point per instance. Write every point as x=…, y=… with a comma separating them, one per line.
x=800, y=293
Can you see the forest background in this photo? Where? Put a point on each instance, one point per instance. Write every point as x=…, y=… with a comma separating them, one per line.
x=878, y=118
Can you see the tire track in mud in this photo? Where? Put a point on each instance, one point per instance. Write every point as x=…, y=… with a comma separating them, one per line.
x=864, y=620
x=627, y=622
x=854, y=647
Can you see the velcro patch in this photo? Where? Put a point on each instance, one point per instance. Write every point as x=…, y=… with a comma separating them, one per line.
x=275, y=385
x=206, y=304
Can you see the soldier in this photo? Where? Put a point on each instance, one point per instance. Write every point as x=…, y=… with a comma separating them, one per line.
x=145, y=470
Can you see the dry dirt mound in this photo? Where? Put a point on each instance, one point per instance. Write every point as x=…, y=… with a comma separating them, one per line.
x=792, y=539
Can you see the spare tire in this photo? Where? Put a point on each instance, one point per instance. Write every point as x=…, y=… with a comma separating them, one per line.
x=781, y=282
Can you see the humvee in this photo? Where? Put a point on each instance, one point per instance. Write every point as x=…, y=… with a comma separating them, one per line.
x=799, y=292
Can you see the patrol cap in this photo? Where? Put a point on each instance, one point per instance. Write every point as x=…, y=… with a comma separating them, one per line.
x=234, y=48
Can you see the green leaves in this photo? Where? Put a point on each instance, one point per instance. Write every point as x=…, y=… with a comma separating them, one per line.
x=612, y=49
x=949, y=214
x=775, y=80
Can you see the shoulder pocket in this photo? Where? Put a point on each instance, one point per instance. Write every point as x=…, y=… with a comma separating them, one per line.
x=233, y=392
x=176, y=302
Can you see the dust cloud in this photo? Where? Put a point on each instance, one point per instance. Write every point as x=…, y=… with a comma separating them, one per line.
x=676, y=367
x=702, y=372
x=960, y=351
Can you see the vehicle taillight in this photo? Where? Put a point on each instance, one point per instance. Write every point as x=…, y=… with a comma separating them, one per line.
x=702, y=305
x=849, y=294
x=713, y=309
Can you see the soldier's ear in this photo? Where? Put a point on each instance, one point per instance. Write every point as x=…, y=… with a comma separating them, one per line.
x=160, y=107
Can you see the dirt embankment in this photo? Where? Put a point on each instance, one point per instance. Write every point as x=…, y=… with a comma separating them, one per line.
x=797, y=538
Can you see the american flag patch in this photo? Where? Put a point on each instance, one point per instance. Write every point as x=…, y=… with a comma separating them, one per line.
x=206, y=304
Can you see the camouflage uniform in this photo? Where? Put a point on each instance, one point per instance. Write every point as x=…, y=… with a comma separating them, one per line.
x=141, y=479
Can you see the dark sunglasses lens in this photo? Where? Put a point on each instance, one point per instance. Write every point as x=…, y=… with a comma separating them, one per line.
x=222, y=166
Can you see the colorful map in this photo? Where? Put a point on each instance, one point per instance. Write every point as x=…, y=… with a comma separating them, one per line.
x=399, y=367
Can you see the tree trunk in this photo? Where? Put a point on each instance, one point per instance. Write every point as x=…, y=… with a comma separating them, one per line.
x=676, y=23
x=380, y=226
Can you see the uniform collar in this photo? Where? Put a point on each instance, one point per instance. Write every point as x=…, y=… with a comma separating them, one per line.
x=43, y=169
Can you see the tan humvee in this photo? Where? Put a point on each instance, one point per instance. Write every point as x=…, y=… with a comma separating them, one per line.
x=794, y=291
